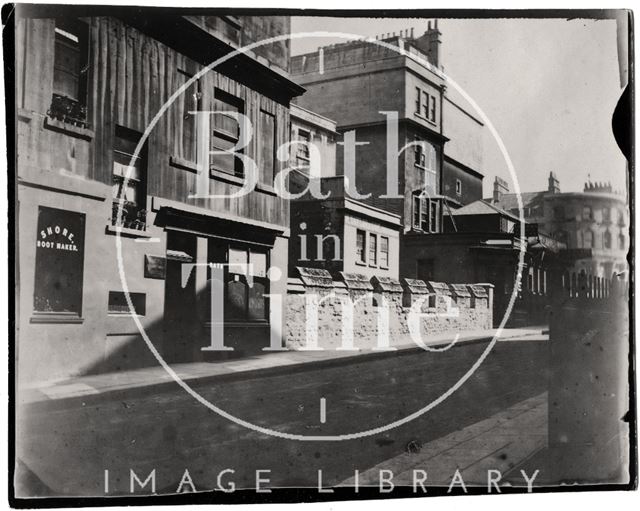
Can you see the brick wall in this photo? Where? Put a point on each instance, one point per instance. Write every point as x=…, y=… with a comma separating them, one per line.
x=443, y=309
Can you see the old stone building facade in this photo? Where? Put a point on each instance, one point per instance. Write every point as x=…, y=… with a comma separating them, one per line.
x=370, y=90
x=331, y=230
x=592, y=224
x=87, y=88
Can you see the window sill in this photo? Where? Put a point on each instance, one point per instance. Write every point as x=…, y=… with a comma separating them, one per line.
x=361, y=263
x=183, y=164
x=124, y=314
x=270, y=190
x=426, y=119
x=240, y=181
x=56, y=317
x=68, y=129
x=126, y=231
x=227, y=178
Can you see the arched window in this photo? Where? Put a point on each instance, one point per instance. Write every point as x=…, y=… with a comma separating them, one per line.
x=606, y=239
x=588, y=239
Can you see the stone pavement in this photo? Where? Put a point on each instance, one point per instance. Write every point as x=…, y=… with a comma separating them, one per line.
x=268, y=363
x=504, y=442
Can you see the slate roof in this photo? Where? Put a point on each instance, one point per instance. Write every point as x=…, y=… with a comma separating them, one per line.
x=482, y=207
x=509, y=201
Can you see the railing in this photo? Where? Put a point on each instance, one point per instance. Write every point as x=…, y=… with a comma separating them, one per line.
x=583, y=285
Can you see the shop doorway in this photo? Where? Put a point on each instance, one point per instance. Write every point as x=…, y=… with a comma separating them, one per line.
x=180, y=340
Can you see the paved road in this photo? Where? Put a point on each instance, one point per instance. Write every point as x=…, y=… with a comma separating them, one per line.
x=65, y=446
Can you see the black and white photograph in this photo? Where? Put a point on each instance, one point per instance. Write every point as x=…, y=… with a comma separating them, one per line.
x=269, y=255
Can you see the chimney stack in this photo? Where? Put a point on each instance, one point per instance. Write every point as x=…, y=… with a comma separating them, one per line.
x=500, y=187
x=429, y=43
x=554, y=184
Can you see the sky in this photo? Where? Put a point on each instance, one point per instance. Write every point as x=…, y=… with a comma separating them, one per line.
x=549, y=87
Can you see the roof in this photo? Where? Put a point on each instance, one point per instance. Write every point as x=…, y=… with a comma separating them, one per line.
x=482, y=207
x=509, y=201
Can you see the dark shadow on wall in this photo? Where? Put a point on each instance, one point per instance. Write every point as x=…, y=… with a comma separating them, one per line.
x=180, y=339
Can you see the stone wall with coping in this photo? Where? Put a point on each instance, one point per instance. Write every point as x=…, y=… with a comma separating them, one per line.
x=318, y=302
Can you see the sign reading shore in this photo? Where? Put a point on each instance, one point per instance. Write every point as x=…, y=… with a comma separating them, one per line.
x=59, y=261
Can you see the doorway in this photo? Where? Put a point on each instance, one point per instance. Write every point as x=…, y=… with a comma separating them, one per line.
x=180, y=340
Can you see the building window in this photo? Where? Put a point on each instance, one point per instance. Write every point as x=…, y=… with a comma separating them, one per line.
x=118, y=303
x=416, y=211
x=190, y=102
x=426, y=159
x=606, y=215
x=621, y=242
x=432, y=111
x=425, y=105
x=59, y=262
x=302, y=148
x=246, y=282
x=426, y=213
x=606, y=239
x=458, y=187
x=621, y=221
x=129, y=180
x=266, y=147
x=433, y=215
x=70, y=72
x=419, y=154
x=373, y=250
x=587, y=213
x=384, y=252
x=361, y=255
x=226, y=131
x=588, y=239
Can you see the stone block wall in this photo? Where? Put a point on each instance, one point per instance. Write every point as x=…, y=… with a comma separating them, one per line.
x=321, y=309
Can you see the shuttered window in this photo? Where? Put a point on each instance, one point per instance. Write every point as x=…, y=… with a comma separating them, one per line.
x=225, y=133
x=266, y=147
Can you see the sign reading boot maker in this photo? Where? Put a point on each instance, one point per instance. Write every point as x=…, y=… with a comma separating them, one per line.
x=59, y=261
